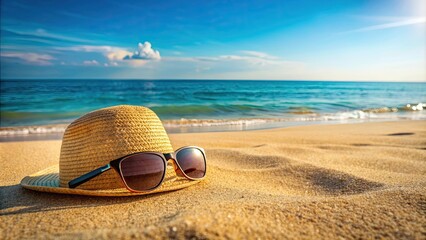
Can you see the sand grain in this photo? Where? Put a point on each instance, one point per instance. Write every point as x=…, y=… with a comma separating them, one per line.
x=336, y=181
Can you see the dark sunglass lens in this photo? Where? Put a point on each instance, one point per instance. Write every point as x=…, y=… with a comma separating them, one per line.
x=142, y=171
x=192, y=162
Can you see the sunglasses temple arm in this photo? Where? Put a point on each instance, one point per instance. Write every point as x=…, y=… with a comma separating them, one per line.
x=86, y=177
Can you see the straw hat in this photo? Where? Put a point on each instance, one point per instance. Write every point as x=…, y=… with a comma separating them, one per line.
x=94, y=140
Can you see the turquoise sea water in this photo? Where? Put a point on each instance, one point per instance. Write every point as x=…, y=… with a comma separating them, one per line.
x=211, y=103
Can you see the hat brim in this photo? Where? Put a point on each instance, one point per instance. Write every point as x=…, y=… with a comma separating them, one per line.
x=47, y=180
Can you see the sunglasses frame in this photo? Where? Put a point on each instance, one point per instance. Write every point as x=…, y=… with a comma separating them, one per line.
x=116, y=165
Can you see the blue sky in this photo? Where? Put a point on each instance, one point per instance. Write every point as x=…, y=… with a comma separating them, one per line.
x=377, y=40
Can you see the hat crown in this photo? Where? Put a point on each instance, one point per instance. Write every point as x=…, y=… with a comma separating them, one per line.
x=101, y=136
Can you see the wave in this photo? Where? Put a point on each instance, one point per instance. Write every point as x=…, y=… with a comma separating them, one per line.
x=416, y=113
x=301, y=110
x=200, y=111
x=407, y=108
x=29, y=130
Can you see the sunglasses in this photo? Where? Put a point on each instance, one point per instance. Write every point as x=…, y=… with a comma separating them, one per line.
x=145, y=171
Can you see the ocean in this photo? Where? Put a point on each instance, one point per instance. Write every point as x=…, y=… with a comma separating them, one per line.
x=45, y=106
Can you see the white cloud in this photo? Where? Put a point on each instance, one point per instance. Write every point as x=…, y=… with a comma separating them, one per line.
x=111, y=64
x=89, y=48
x=43, y=35
x=244, y=65
x=253, y=60
x=394, y=24
x=247, y=62
x=113, y=54
x=259, y=54
x=144, y=52
x=116, y=55
x=249, y=57
x=180, y=59
x=30, y=58
x=91, y=63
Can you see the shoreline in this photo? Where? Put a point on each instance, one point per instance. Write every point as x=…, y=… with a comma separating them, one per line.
x=56, y=131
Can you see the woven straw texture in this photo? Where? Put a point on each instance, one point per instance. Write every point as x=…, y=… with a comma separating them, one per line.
x=94, y=140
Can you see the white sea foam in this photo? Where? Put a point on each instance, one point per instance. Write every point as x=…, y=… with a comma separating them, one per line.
x=27, y=130
x=409, y=111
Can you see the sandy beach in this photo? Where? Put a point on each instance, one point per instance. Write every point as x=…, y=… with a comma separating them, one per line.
x=363, y=180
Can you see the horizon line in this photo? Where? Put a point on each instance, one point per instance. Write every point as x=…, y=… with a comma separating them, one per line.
x=209, y=79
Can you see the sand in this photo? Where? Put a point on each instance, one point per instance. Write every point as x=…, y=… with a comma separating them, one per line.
x=325, y=181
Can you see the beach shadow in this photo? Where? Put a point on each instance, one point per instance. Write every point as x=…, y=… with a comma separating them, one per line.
x=337, y=183
x=17, y=200
x=400, y=134
x=258, y=146
x=361, y=145
x=292, y=175
x=244, y=161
